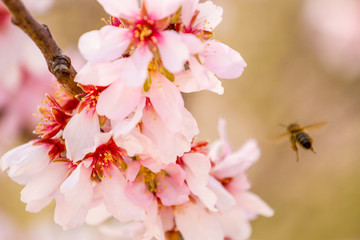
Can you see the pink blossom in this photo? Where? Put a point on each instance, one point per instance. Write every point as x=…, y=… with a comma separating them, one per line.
x=231, y=186
x=141, y=32
x=168, y=185
x=25, y=162
x=209, y=58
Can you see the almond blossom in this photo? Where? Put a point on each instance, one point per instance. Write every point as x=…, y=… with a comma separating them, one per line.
x=126, y=147
x=140, y=33
x=231, y=186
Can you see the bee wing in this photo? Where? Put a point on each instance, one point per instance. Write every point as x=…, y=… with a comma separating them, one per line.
x=315, y=125
x=279, y=138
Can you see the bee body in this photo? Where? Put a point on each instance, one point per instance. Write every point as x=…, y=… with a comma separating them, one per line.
x=298, y=135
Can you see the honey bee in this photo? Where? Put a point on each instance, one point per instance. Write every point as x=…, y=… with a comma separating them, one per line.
x=298, y=135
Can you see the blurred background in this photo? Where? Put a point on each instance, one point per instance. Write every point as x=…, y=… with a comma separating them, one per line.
x=303, y=66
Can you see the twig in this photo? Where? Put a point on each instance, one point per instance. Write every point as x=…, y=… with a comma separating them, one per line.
x=58, y=63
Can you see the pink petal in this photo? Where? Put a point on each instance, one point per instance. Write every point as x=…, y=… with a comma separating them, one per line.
x=100, y=74
x=78, y=186
x=135, y=70
x=239, y=183
x=197, y=177
x=190, y=127
x=167, y=218
x=131, y=143
x=116, y=201
x=105, y=44
x=123, y=127
x=97, y=215
x=121, y=8
x=172, y=190
x=194, y=44
x=225, y=200
x=224, y=61
x=173, y=51
x=72, y=207
x=165, y=145
x=188, y=81
x=69, y=214
x=25, y=162
x=38, y=205
x=159, y=9
x=168, y=102
x=138, y=193
x=118, y=100
x=238, y=161
x=254, y=205
x=188, y=8
x=221, y=148
x=46, y=183
x=154, y=229
x=235, y=224
x=194, y=222
x=79, y=135
x=132, y=170
x=209, y=17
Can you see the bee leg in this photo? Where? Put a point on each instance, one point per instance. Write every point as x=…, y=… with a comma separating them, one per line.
x=312, y=149
x=294, y=147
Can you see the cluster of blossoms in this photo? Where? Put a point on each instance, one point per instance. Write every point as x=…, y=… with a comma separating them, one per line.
x=127, y=149
x=22, y=71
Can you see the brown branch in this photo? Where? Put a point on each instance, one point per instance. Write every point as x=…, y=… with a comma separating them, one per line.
x=58, y=63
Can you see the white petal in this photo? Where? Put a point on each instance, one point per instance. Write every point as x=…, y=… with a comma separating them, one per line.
x=116, y=201
x=121, y=8
x=159, y=9
x=25, y=162
x=100, y=74
x=79, y=135
x=235, y=224
x=254, y=204
x=105, y=44
x=135, y=70
x=46, y=183
x=189, y=81
x=77, y=186
x=173, y=51
x=194, y=222
x=38, y=205
x=97, y=215
x=209, y=16
x=70, y=214
x=222, y=60
x=225, y=200
x=118, y=100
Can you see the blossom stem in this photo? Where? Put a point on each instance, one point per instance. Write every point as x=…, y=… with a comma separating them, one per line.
x=58, y=63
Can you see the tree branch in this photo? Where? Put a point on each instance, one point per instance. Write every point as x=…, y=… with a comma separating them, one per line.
x=58, y=63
